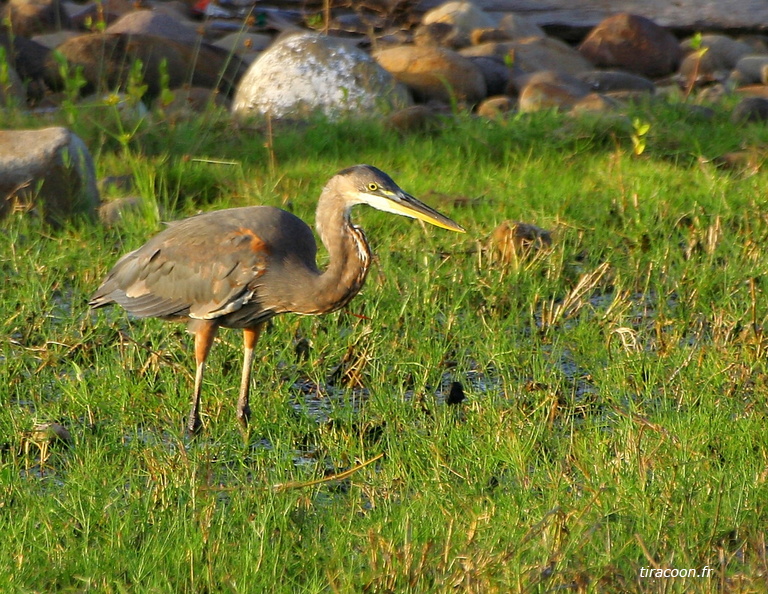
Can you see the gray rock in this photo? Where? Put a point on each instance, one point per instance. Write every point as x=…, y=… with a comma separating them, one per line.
x=693, y=15
x=606, y=81
x=520, y=27
x=246, y=45
x=749, y=70
x=149, y=22
x=714, y=58
x=112, y=212
x=55, y=39
x=750, y=109
x=49, y=169
x=495, y=72
x=306, y=73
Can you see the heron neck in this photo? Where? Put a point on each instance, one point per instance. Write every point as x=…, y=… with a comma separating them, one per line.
x=348, y=251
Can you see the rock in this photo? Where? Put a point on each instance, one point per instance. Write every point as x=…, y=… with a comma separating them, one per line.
x=27, y=57
x=749, y=70
x=550, y=89
x=691, y=15
x=416, y=118
x=50, y=168
x=307, y=72
x=51, y=432
x=753, y=91
x=606, y=81
x=713, y=94
x=519, y=27
x=440, y=34
x=465, y=16
x=748, y=162
x=106, y=61
x=112, y=212
x=29, y=17
x=497, y=75
x=593, y=103
x=246, y=45
x=188, y=101
x=159, y=24
x=750, y=109
x=12, y=92
x=434, y=72
x=632, y=43
x=496, y=107
x=55, y=39
x=728, y=49
x=513, y=241
x=713, y=59
x=533, y=54
x=480, y=36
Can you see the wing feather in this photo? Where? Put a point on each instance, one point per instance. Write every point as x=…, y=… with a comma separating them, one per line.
x=202, y=267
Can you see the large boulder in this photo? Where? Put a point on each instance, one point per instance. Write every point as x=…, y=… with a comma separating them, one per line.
x=49, y=169
x=307, y=73
x=633, y=43
x=434, y=72
x=106, y=60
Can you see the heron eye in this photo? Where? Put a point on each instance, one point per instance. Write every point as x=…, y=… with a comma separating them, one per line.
x=373, y=186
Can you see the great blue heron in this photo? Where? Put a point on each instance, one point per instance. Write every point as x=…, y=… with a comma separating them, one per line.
x=239, y=267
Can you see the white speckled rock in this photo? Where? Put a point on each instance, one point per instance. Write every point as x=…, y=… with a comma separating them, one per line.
x=308, y=73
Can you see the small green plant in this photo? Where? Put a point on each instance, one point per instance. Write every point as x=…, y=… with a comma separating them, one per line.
x=696, y=41
x=135, y=86
x=98, y=25
x=166, y=95
x=315, y=21
x=5, y=77
x=700, y=50
x=73, y=81
x=639, y=131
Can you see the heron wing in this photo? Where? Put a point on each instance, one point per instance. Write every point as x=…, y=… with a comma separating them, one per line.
x=203, y=267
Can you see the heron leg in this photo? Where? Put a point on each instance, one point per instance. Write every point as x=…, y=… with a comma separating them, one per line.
x=250, y=337
x=204, y=335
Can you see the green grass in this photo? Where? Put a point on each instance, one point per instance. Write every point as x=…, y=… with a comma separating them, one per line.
x=616, y=382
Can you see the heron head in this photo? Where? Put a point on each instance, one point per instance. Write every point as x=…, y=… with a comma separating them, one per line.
x=368, y=185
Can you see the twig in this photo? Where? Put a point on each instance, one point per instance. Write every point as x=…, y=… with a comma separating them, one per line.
x=326, y=479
